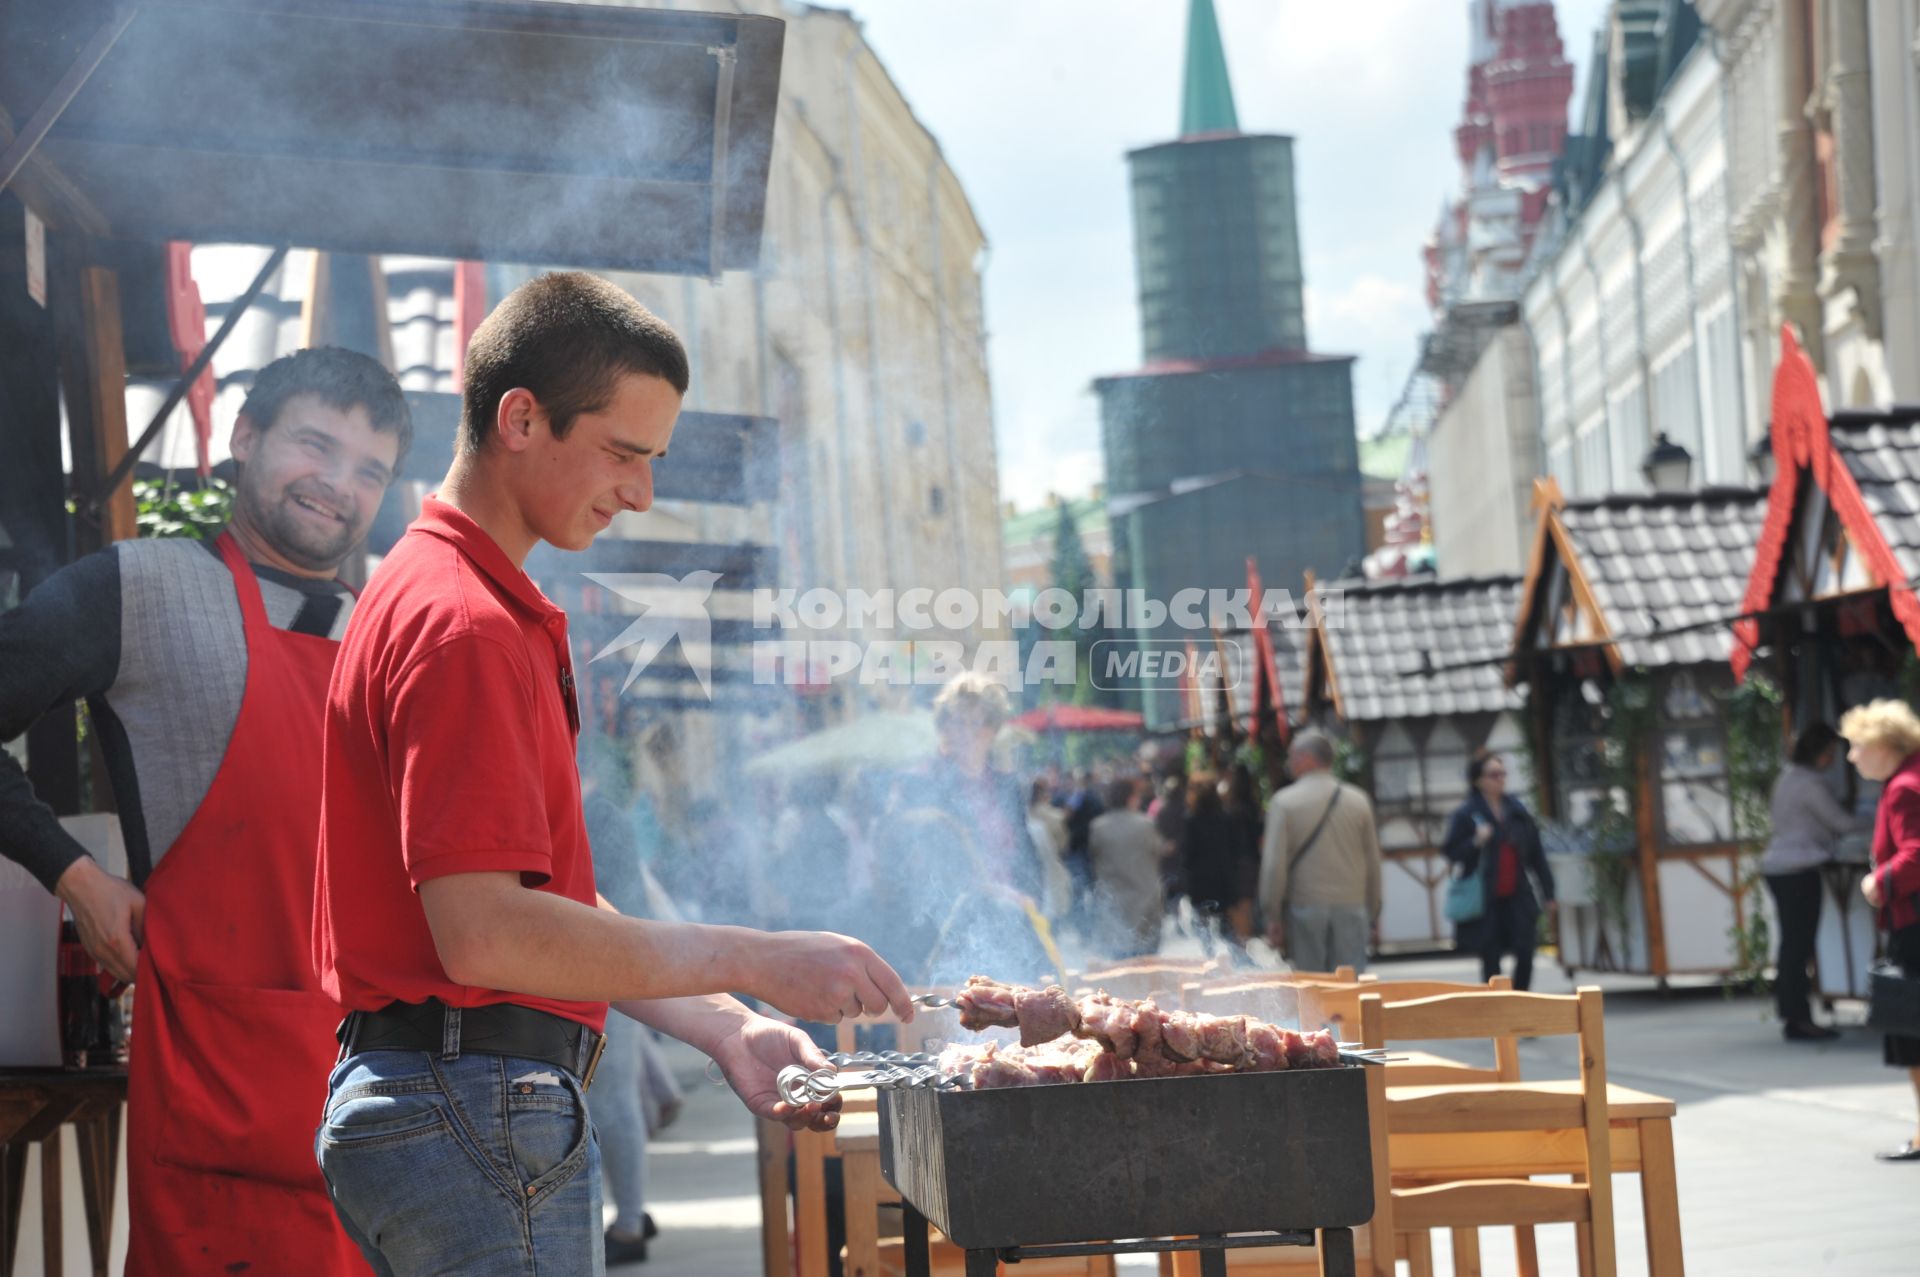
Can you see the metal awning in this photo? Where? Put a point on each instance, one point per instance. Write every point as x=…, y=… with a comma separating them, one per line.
x=524, y=131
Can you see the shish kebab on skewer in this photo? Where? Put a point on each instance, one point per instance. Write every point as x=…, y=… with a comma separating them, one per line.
x=1141, y=1039
x=1098, y=1038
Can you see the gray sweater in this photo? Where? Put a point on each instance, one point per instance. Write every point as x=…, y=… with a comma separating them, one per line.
x=149, y=633
x=1807, y=821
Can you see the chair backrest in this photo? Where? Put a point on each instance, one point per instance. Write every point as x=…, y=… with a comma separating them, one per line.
x=1201, y=995
x=1342, y=974
x=1479, y=1107
x=1337, y=1007
x=1275, y=1001
x=1160, y=980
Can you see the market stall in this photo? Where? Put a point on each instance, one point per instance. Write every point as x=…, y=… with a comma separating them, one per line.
x=1621, y=641
x=129, y=131
x=1410, y=672
x=1833, y=617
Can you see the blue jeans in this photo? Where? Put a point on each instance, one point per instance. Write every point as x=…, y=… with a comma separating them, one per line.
x=481, y=1165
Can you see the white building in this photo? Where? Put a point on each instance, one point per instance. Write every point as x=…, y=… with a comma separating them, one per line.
x=1823, y=186
x=1633, y=311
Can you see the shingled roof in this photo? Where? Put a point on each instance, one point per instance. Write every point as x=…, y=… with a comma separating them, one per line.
x=1369, y=649
x=1874, y=489
x=1659, y=564
x=1882, y=453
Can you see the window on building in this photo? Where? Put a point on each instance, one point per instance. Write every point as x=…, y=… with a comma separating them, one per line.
x=1581, y=791
x=1696, y=795
x=936, y=500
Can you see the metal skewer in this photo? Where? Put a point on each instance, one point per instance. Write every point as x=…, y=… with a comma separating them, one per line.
x=932, y=1001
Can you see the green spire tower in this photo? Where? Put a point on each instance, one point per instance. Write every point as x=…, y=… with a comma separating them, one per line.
x=1207, y=103
x=1233, y=438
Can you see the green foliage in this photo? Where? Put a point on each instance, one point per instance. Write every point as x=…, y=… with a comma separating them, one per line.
x=1349, y=761
x=1754, y=712
x=163, y=510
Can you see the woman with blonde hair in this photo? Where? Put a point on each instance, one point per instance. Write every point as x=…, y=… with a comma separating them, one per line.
x=988, y=807
x=1885, y=740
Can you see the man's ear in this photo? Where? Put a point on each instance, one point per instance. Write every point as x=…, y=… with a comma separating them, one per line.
x=246, y=437
x=515, y=419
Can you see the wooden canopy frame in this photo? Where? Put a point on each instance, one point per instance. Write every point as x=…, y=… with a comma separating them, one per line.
x=1553, y=547
x=1804, y=454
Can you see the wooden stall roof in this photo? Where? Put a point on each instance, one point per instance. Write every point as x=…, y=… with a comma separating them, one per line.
x=1867, y=465
x=1417, y=648
x=1648, y=580
x=500, y=130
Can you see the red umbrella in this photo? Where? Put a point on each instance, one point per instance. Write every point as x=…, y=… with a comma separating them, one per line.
x=1079, y=718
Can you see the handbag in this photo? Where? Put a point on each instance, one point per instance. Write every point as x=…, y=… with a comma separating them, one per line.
x=1893, y=997
x=1893, y=1001
x=1467, y=894
x=1466, y=898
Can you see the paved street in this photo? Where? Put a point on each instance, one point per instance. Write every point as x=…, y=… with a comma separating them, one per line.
x=1773, y=1139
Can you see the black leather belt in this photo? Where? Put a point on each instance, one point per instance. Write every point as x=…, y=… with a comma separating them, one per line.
x=447, y=1031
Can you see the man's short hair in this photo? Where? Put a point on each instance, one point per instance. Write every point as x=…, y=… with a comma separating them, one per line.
x=568, y=337
x=1315, y=745
x=341, y=379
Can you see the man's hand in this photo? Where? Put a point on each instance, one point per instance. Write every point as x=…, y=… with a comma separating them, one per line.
x=752, y=1057
x=815, y=975
x=1277, y=936
x=109, y=912
x=1870, y=888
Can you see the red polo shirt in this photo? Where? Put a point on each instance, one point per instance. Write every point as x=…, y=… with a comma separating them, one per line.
x=449, y=749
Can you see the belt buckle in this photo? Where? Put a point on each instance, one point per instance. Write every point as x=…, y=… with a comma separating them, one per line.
x=593, y=1062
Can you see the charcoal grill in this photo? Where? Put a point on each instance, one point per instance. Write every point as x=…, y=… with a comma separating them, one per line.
x=1202, y=1164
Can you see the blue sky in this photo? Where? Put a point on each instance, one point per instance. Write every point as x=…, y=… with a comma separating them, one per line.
x=1036, y=102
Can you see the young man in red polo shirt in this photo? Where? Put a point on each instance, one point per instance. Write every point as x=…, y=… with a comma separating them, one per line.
x=455, y=912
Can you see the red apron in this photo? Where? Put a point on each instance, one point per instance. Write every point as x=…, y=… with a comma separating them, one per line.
x=232, y=1038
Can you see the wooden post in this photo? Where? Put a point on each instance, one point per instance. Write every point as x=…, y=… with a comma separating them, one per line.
x=1647, y=835
x=33, y=487
x=93, y=373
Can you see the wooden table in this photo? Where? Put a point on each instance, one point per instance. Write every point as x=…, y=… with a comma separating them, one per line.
x=34, y=1105
x=811, y=1152
x=1640, y=1135
x=858, y=1143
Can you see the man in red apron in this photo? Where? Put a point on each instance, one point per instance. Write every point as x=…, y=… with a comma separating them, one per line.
x=209, y=705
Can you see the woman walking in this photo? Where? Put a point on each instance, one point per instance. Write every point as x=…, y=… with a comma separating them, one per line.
x=1885, y=740
x=1493, y=837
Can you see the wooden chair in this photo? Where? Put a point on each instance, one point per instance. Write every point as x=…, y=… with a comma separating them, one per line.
x=1201, y=995
x=1160, y=979
x=1337, y=1007
x=929, y=1030
x=1463, y=1206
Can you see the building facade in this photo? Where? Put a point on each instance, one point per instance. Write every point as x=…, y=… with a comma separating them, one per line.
x=1633, y=308
x=1823, y=109
x=1482, y=457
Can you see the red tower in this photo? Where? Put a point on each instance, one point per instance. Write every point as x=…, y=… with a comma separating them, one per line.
x=1512, y=127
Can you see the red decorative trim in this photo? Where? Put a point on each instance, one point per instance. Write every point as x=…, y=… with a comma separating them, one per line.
x=1803, y=445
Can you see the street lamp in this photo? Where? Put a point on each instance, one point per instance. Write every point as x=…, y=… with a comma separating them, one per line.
x=1760, y=457
x=1667, y=467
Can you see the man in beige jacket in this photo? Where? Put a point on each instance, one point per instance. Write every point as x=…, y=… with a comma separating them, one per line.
x=1320, y=864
